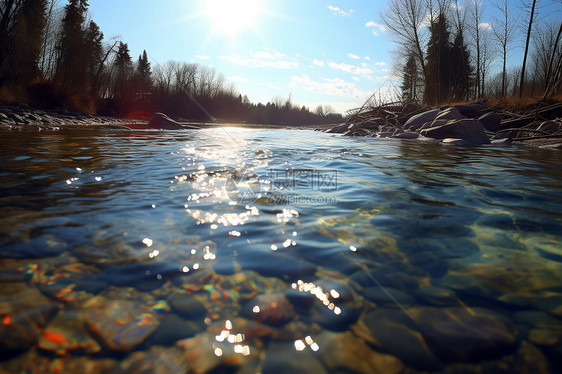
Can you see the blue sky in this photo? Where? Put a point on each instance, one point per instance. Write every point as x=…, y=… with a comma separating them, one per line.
x=319, y=52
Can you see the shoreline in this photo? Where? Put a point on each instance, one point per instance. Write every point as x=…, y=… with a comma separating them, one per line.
x=20, y=117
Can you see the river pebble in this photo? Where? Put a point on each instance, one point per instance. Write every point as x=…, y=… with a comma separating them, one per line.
x=346, y=353
x=465, y=334
x=67, y=334
x=272, y=309
x=122, y=325
x=393, y=331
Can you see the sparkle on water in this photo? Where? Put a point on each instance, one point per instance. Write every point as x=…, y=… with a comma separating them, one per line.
x=406, y=226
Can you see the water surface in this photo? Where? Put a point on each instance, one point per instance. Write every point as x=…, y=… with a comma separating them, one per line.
x=276, y=250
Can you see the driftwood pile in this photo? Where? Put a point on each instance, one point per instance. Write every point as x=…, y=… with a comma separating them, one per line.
x=543, y=121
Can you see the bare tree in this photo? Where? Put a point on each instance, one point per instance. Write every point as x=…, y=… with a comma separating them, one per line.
x=546, y=56
x=531, y=18
x=503, y=30
x=475, y=13
x=405, y=21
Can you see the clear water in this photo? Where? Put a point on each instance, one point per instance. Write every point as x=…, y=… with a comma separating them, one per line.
x=247, y=250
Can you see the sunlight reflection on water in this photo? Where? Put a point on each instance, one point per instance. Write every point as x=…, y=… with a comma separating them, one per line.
x=201, y=229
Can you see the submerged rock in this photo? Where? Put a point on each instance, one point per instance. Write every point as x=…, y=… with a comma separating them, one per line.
x=122, y=325
x=346, y=353
x=394, y=332
x=206, y=354
x=187, y=306
x=286, y=358
x=66, y=334
x=272, y=309
x=24, y=311
x=465, y=334
x=157, y=360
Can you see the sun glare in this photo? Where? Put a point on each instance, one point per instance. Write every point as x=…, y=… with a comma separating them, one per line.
x=231, y=17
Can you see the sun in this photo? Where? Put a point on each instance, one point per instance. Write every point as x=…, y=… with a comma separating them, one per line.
x=231, y=17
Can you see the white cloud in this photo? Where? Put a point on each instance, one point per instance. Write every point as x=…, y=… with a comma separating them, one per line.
x=340, y=12
x=367, y=58
x=334, y=87
x=351, y=68
x=351, y=55
x=318, y=62
x=202, y=57
x=262, y=59
x=355, y=79
x=379, y=63
x=377, y=27
x=484, y=26
x=268, y=55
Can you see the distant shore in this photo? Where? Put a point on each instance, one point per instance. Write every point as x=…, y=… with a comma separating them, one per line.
x=24, y=117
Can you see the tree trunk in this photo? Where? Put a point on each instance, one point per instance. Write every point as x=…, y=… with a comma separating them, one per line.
x=526, y=49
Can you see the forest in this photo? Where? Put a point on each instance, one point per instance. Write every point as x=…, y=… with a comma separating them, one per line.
x=453, y=51
x=57, y=56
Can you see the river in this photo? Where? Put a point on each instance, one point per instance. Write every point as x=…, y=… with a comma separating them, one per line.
x=260, y=250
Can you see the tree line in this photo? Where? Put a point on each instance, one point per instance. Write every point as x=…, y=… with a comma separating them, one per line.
x=451, y=51
x=57, y=56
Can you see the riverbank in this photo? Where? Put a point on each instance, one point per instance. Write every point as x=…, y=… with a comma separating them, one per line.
x=530, y=123
x=533, y=125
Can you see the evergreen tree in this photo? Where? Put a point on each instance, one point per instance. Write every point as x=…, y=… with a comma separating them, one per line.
x=71, y=67
x=410, y=79
x=143, y=78
x=438, y=66
x=94, y=56
x=123, y=68
x=27, y=36
x=460, y=74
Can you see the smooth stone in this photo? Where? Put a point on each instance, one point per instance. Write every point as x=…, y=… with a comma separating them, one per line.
x=472, y=110
x=272, y=309
x=491, y=121
x=207, y=355
x=187, y=306
x=283, y=358
x=417, y=121
x=394, y=332
x=436, y=295
x=467, y=129
x=24, y=311
x=448, y=114
x=162, y=121
x=67, y=334
x=346, y=353
x=171, y=329
x=157, y=360
x=122, y=325
x=465, y=334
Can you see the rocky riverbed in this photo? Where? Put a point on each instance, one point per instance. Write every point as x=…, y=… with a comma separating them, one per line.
x=25, y=117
